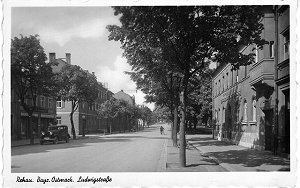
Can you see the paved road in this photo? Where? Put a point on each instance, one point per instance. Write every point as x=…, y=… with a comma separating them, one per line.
x=142, y=151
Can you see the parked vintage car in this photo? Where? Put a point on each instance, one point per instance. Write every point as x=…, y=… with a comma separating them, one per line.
x=55, y=134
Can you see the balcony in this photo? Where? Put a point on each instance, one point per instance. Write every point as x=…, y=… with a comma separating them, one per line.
x=262, y=78
x=262, y=72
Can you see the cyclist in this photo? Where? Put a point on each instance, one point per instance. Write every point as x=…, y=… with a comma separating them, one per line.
x=162, y=130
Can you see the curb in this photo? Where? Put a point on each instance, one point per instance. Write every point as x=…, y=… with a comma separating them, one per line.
x=162, y=163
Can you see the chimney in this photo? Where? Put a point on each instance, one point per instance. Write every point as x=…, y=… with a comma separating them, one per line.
x=68, y=58
x=52, y=57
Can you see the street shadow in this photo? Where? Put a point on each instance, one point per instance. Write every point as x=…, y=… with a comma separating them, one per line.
x=198, y=139
x=209, y=143
x=116, y=137
x=62, y=145
x=248, y=158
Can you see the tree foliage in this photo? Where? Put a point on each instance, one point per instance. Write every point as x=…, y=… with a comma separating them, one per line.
x=31, y=75
x=163, y=44
x=77, y=85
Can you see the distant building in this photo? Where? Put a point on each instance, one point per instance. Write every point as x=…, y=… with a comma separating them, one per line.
x=124, y=121
x=244, y=100
x=121, y=95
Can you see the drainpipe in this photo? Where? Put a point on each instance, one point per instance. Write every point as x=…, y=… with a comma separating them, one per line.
x=276, y=137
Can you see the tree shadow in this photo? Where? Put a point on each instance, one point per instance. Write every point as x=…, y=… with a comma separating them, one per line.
x=249, y=158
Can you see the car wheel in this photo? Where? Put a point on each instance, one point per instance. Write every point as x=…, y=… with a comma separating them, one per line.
x=67, y=140
x=55, y=140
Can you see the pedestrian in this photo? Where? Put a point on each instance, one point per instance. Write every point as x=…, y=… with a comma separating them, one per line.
x=162, y=130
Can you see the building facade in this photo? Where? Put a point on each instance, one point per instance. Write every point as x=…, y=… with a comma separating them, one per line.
x=244, y=100
x=282, y=78
x=86, y=119
x=121, y=95
x=44, y=114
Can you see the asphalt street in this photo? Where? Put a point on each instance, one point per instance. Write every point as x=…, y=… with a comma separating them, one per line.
x=143, y=151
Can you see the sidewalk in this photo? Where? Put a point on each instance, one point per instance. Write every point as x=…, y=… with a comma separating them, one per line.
x=24, y=142
x=238, y=158
x=194, y=161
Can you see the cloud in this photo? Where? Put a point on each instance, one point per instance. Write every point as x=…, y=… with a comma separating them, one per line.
x=117, y=80
x=92, y=29
x=115, y=77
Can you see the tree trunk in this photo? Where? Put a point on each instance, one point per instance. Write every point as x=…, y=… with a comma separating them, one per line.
x=31, y=136
x=72, y=125
x=174, y=130
x=110, y=124
x=182, y=152
x=195, y=122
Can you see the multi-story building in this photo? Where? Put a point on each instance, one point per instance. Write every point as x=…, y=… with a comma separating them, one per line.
x=44, y=114
x=244, y=100
x=85, y=118
x=282, y=78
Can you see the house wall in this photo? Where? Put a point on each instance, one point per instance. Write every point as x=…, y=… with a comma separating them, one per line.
x=283, y=82
x=241, y=109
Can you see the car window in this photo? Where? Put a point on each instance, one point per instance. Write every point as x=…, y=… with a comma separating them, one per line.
x=52, y=128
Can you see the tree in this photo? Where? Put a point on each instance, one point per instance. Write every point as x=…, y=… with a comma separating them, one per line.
x=182, y=40
x=76, y=86
x=30, y=74
x=145, y=114
x=199, y=99
x=110, y=109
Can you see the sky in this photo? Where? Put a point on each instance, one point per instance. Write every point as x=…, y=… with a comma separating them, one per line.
x=82, y=32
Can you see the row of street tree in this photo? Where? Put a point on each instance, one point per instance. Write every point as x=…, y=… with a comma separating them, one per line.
x=32, y=76
x=170, y=50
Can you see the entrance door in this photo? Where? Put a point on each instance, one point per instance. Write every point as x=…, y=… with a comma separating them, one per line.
x=229, y=122
x=269, y=135
x=287, y=122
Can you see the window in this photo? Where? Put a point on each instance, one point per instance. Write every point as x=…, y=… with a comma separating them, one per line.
x=227, y=76
x=286, y=44
x=224, y=83
x=254, y=109
x=245, y=111
x=237, y=76
x=42, y=101
x=219, y=86
x=58, y=119
x=223, y=114
x=256, y=54
x=59, y=103
x=271, y=45
x=216, y=88
x=49, y=103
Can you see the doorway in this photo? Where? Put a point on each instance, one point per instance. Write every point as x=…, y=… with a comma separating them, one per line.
x=269, y=133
